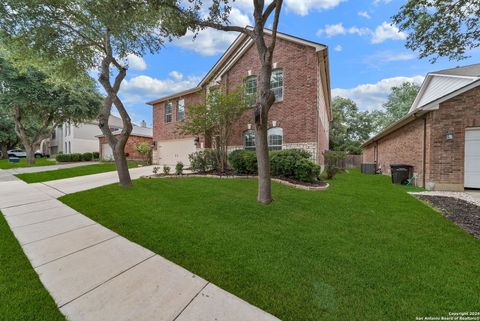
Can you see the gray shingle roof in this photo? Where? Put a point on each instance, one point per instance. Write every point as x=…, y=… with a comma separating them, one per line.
x=469, y=71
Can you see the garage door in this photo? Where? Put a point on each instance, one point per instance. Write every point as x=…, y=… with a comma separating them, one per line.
x=472, y=157
x=172, y=151
x=107, y=153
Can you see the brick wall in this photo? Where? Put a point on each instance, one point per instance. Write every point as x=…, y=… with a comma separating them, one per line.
x=403, y=146
x=130, y=148
x=448, y=156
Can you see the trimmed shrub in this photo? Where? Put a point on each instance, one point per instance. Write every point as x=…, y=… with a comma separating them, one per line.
x=179, y=168
x=166, y=169
x=282, y=163
x=76, y=157
x=203, y=161
x=87, y=157
x=243, y=162
x=96, y=155
x=306, y=171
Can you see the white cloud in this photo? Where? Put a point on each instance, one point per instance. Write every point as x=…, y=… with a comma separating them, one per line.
x=387, y=56
x=383, y=32
x=387, y=31
x=377, y=2
x=364, y=14
x=372, y=96
x=303, y=7
x=176, y=75
x=339, y=29
x=338, y=48
x=143, y=88
x=210, y=42
x=136, y=63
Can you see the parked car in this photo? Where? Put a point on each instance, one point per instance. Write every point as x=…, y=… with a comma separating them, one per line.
x=16, y=152
x=39, y=154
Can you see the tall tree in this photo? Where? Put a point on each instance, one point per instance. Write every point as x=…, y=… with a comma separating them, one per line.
x=398, y=103
x=81, y=35
x=441, y=28
x=8, y=137
x=215, y=119
x=350, y=127
x=265, y=45
x=37, y=106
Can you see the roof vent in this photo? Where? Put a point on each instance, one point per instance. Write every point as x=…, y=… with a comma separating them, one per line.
x=143, y=124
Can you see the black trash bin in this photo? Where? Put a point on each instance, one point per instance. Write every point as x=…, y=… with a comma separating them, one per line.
x=401, y=173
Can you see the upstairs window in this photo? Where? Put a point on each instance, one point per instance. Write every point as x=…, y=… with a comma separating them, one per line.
x=276, y=84
x=181, y=110
x=251, y=88
x=249, y=139
x=168, y=112
x=275, y=138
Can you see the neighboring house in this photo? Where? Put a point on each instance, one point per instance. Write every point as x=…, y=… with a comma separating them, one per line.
x=299, y=118
x=139, y=134
x=81, y=138
x=440, y=136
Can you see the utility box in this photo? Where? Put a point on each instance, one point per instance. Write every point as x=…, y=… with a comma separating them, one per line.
x=369, y=168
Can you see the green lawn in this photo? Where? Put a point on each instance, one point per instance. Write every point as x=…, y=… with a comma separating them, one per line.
x=69, y=172
x=22, y=296
x=362, y=250
x=4, y=164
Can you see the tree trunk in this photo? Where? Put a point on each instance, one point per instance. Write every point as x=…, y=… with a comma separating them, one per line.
x=4, y=151
x=30, y=150
x=264, y=195
x=122, y=166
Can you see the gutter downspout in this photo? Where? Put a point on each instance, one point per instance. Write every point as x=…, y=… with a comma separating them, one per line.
x=424, y=150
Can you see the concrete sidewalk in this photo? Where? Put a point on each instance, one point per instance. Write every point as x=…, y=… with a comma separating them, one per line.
x=37, y=169
x=94, y=274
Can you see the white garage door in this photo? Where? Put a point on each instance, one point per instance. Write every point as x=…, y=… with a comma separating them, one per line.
x=107, y=153
x=472, y=157
x=173, y=151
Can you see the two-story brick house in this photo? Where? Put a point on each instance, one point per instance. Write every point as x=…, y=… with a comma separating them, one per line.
x=299, y=118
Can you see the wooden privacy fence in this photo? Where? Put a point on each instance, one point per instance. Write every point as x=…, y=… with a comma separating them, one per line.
x=350, y=161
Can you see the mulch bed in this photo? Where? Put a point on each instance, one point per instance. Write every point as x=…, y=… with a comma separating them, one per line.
x=464, y=214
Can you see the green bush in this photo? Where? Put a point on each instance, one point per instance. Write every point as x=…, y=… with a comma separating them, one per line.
x=179, y=168
x=333, y=159
x=203, y=161
x=87, y=157
x=306, y=171
x=96, y=155
x=166, y=169
x=243, y=162
x=282, y=163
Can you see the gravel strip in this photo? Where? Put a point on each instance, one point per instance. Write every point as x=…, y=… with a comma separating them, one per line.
x=459, y=195
x=464, y=214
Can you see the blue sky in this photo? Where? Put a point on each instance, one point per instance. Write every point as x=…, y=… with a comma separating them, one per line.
x=367, y=54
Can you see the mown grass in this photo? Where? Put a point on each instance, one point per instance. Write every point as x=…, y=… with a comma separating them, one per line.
x=22, y=296
x=69, y=172
x=4, y=164
x=362, y=250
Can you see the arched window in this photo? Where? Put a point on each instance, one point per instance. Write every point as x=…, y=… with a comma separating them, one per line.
x=251, y=88
x=249, y=139
x=275, y=138
x=276, y=83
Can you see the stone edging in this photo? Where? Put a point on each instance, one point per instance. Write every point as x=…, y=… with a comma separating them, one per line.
x=277, y=180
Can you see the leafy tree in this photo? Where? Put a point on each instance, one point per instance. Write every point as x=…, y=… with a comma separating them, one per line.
x=265, y=45
x=145, y=149
x=398, y=104
x=440, y=28
x=350, y=127
x=37, y=106
x=8, y=138
x=215, y=120
x=80, y=35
